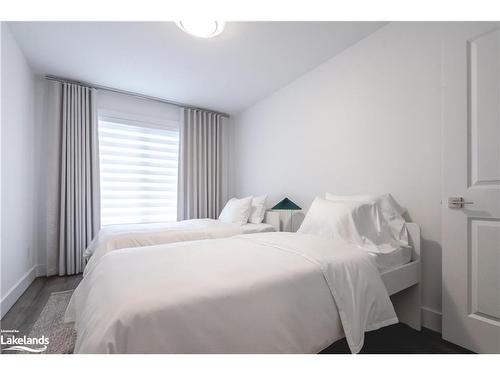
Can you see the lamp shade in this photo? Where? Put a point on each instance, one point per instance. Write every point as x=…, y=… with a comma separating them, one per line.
x=286, y=204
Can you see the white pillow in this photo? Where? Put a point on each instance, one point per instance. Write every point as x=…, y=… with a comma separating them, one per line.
x=359, y=223
x=257, y=210
x=236, y=211
x=390, y=209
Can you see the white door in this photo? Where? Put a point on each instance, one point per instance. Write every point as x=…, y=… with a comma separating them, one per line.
x=471, y=170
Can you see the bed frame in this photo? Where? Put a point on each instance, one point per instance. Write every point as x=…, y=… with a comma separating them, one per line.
x=403, y=283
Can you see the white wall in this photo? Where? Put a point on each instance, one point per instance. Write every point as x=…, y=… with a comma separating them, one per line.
x=18, y=216
x=368, y=120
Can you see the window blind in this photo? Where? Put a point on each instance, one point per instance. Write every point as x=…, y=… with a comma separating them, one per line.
x=138, y=172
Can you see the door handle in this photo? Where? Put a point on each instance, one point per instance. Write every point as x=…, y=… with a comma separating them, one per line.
x=457, y=202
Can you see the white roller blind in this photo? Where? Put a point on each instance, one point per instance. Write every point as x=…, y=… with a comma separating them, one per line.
x=138, y=167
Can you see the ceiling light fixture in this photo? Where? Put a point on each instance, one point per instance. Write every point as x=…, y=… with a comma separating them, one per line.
x=202, y=29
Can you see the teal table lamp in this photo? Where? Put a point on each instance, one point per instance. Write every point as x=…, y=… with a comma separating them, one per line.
x=287, y=205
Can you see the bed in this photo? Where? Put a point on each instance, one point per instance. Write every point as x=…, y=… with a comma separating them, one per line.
x=257, y=293
x=116, y=237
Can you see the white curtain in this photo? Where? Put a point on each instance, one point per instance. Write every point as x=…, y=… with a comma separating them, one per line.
x=200, y=184
x=71, y=176
x=79, y=208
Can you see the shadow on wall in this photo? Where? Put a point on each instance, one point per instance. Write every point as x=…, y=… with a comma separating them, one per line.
x=431, y=254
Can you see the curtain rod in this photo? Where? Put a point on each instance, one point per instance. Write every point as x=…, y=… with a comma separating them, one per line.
x=131, y=93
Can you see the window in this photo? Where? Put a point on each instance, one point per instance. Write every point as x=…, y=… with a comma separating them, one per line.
x=138, y=167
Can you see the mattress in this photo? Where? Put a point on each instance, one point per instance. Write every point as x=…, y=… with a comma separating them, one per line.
x=386, y=262
x=257, y=228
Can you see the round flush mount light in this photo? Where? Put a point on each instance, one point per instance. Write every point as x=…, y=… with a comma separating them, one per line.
x=202, y=29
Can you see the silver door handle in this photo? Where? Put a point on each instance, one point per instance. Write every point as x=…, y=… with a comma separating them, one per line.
x=457, y=202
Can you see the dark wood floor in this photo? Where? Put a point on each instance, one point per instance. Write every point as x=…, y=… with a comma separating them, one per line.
x=26, y=310
x=395, y=339
x=400, y=339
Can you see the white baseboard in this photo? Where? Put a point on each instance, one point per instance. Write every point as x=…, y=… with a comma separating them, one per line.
x=431, y=319
x=41, y=270
x=17, y=290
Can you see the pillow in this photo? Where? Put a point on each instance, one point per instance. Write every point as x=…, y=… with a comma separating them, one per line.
x=359, y=223
x=390, y=209
x=258, y=209
x=236, y=211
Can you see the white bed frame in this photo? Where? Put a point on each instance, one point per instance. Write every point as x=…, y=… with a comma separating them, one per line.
x=402, y=283
x=404, y=286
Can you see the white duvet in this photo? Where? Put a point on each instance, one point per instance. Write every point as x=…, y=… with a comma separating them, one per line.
x=117, y=237
x=259, y=293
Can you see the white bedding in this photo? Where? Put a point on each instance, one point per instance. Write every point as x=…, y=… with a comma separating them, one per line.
x=259, y=293
x=388, y=261
x=250, y=228
x=116, y=237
